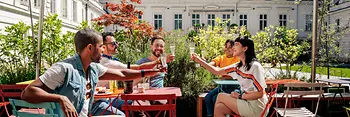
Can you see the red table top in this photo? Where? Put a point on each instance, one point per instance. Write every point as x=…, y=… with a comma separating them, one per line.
x=283, y=81
x=165, y=90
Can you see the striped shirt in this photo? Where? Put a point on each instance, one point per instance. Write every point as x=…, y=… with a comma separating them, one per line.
x=252, y=80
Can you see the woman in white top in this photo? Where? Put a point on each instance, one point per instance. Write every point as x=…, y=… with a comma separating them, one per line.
x=250, y=75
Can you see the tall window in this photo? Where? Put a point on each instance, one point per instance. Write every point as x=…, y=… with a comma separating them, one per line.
x=308, y=22
x=64, y=8
x=178, y=21
x=158, y=21
x=226, y=17
x=37, y=3
x=24, y=2
x=139, y=16
x=195, y=19
x=337, y=23
x=53, y=6
x=243, y=20
x=211, y=19
x=262, y=21
x=283, y=20
x=83, y=14
x=75, y=11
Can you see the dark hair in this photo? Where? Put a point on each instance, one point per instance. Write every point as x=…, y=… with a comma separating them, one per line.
x=249, y=53
x=105, y=34
x=155, y=38
x=85, y=37
x=232, y=42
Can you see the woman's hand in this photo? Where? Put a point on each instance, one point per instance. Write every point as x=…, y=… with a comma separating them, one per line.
x=195, y=57
x=235, y=94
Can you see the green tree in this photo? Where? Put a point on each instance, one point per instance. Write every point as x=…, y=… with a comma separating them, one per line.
x=16, y=54
x=279, y=45
x=55, y=46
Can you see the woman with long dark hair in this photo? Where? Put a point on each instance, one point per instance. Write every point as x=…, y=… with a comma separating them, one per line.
x=250, y=75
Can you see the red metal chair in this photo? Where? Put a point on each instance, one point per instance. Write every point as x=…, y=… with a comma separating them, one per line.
x=169, y=106
x=271, y=95
x=9, y=92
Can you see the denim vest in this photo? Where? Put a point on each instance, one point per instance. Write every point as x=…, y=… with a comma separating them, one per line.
x=75, y=82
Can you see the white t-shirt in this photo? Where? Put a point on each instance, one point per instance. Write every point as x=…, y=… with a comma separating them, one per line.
x=54, y=77
x=252, y=80
x=112, y=63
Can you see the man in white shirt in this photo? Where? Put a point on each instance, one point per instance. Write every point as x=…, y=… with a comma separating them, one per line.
x=72, y=82
x=110, y=48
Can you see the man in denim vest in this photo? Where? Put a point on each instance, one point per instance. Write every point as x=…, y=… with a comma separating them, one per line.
x=72, y=82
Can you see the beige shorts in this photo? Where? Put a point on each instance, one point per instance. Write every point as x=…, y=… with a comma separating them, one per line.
x=252, y=108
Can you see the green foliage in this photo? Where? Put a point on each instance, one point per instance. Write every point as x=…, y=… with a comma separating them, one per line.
x=55, y=46
x=211, y=41
x=279, y=45
x=16, y=51
x=183, y=72
x=329, y=35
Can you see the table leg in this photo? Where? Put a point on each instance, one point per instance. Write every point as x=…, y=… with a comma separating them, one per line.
x=110, y=106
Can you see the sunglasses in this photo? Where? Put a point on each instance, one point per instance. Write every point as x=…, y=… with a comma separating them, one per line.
x=88, y=87
x=115, y=43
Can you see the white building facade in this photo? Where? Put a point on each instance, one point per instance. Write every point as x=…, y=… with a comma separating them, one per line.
x=255, y=14
x=339, y=15
x=71, y=12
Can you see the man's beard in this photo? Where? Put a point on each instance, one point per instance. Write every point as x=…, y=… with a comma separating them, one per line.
x=95, y=58
x=155, y=53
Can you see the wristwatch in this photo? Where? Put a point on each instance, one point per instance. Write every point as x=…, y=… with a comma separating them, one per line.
x=142, y=73
x=239, y=96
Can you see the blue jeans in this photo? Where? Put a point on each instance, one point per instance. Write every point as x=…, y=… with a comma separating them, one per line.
x=210, y=98
x=100, y=105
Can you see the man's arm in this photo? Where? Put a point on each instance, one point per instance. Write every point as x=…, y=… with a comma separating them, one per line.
x=127, y=74
x=39, y=89
x=148, y=65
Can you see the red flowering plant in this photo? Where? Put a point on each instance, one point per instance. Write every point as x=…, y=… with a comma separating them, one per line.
x=135, y=35
x=125, y=15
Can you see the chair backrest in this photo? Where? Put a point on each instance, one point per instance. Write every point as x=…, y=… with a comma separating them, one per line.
x=312, y=91
x=271, y=97
x=10, y=91
x=170, y=106
x=52, y=109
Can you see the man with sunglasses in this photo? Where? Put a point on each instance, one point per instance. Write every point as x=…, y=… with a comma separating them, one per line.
x=110, y=46
x=72, y=82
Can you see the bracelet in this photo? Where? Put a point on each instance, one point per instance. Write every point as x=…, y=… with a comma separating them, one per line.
x=142, y=73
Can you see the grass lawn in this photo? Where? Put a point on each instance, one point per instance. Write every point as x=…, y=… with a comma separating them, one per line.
x=333, y=71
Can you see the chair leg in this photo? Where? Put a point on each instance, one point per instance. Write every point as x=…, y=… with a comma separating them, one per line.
x=6, y=110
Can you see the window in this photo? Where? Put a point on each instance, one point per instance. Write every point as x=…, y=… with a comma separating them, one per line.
x=53, y=6
x=75, y=11
x=211, y=19
x=24, y=2
x=178, y=21
x=308, y=22
x=157, y=21
x=262, y=21
x=195, y=19
x=83, y=14
x=139, y=16
x=64, y=8
x=243, y=20
x=226, y=17
x=337, y=24
x=37, y=3
x=283, y=20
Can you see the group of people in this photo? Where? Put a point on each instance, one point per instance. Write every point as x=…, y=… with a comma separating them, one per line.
x=72, y=82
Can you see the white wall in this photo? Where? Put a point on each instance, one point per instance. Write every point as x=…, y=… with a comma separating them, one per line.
x=342, y=12
x=12, y=11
